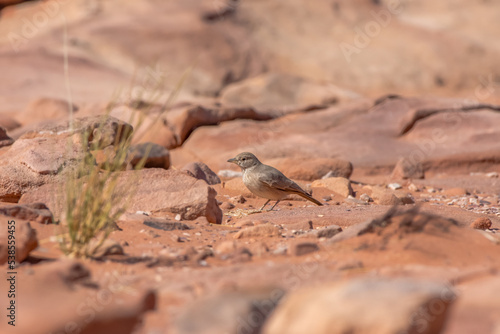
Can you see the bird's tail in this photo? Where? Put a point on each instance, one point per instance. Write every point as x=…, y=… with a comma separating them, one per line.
x=310, y=198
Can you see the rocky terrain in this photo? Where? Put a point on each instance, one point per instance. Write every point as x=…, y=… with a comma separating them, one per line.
x=387, y=112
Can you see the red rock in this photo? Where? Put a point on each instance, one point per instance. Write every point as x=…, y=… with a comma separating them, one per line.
x=227, y=206
x=108, y=247
x=406, y=169
x=103, y=130
x=482, y=223
x=257, y=221
x=159, y=223
x=237, y=199
x=404, y=197
x=340, y=185
x=44, y=156
x=226, y=247
x=65, y=272
x=313, y=169
x=351, y=232
x=383, y=196
x=43, y=109
x=477, y=307
x=362, y=305
x=258, y=248
x=159, y=133
x=5, y=140
x=456, y=192
x=16, y=180
x=244, y=223
x=8, y=123
x=229, y=312
x=282, y=93
x=150, y=155
x=201, y=171
x=35, y=212
x=184, y=120
x=32, y=162
x=359, y=122
x=302, y=248
x=365, y=198
x=38, y=157
x=305, y=225
x=326, y=232
x=419, y=237
x=148, y=126
x=264, y=230
x=395, y=222
x=23, y=234
x=237, y=186
x=305, y=49
x=350, y=265
x=104, y=159
x=108, y=306
x=230, y=250
x=151, y=190
x=5, y=3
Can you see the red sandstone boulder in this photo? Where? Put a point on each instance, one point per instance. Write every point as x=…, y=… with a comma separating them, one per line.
x=22, y=233
x=43, y=109
x=201, y=171
x=151, y=190
x=40, y=156
x=5, y=140
x=363, y=305
x=77, y=301
x=35, y=212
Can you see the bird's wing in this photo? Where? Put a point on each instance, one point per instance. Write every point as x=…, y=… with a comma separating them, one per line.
x=273, y=178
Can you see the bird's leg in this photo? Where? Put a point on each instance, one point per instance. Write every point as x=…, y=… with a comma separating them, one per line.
x=264, y=205
x=274, y=205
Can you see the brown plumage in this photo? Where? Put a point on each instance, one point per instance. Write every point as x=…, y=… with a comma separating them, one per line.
x=266, y=181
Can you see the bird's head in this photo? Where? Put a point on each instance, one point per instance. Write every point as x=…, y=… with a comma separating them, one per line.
x=245, y=160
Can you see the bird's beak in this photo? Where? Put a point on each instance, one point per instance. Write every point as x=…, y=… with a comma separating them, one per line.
x=233, y=160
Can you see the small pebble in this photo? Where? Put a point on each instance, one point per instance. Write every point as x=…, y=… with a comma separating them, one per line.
x=351, y=199
x=413, y=187
x=237, y=199
x=394, y=186
x=302, y=248
x=365, y=198
x=481, y=223
x=280, y=250
x=175, y=238
x=227, y=206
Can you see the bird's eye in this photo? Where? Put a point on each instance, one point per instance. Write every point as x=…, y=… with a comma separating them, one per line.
x=243, y=159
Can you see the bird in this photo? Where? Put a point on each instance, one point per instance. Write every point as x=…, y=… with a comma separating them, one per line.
x=266, y=181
